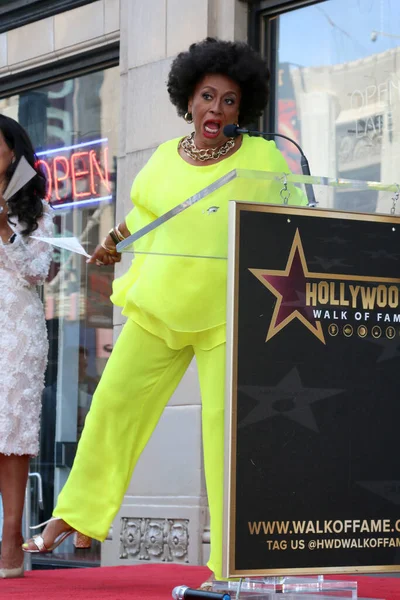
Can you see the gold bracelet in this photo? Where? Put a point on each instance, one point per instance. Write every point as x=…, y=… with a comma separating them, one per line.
x=119, y=234
x=107, y=248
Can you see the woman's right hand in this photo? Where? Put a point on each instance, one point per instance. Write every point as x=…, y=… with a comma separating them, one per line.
x=101, y=257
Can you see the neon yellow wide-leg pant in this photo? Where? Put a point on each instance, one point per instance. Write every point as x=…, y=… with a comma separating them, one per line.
x=139, y=379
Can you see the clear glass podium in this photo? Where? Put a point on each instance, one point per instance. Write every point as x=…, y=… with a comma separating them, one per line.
x=170, y=237
x=281, y=188
x=273, y=587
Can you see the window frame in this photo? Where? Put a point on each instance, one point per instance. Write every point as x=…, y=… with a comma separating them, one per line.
x=59, y=70
x=16, y=13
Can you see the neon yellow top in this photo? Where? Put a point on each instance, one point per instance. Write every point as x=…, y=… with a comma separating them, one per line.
x=178, y=298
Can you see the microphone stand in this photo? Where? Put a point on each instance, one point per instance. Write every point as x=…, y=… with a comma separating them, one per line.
x=305, y=167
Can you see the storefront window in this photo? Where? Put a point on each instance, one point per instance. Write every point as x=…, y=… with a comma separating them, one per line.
x=73, y=125
x=338, y=91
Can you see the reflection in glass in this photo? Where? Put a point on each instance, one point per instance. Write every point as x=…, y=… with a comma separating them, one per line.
x=338, y=94
x=73, y=126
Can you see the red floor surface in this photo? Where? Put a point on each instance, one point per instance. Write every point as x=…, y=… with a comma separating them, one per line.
x=144, y=582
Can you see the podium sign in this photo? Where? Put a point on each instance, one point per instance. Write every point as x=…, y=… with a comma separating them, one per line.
x=312, y=457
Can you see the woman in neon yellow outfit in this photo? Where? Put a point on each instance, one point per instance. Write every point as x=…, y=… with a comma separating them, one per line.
x=175, y=305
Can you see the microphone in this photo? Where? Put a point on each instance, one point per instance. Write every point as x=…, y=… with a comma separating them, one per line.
x=182, y=592
x=235, y=131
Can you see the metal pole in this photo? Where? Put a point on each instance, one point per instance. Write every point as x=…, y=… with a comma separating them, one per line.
x=27, y=524
x=26, y=519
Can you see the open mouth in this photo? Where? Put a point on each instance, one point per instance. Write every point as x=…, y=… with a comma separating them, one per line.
x=211, y=128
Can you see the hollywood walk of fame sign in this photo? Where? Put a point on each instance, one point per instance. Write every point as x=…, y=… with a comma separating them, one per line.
x=312, y=481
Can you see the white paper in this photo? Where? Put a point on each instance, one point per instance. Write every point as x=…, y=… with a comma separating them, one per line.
x=22, y=174
x=67, y=243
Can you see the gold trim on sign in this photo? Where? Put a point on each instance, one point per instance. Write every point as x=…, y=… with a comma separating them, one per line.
x=229, y=384
x=315, y=571
x=317, y=212
x=232, y=515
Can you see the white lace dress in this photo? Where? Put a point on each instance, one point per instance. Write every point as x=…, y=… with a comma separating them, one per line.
x=23, y=337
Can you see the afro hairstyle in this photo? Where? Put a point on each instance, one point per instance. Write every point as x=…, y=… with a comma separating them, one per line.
x=236, y=60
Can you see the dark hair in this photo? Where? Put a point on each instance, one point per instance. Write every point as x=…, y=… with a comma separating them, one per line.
x=26, y=205
x=236, y=60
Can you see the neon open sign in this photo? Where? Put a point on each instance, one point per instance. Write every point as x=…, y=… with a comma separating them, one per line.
x=78, y=174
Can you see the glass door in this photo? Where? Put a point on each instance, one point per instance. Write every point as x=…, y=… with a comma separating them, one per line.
x=338, y=94
x=73, y=125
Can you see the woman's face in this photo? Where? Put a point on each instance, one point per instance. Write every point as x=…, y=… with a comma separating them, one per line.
x=6, y=156
x=214, y=104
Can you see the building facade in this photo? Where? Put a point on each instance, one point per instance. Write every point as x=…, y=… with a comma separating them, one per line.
x=87, y=81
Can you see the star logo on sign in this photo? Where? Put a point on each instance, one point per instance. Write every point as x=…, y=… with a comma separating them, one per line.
x=388, y=349
x=327, y=263
x=289, y=287
x=387, y=489
x=381, y=254
x=289, y=398
x=333, y=240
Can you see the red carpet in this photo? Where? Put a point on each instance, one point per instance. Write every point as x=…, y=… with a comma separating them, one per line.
x=144, y=582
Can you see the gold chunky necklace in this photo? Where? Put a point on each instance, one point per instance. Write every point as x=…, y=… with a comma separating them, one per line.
x=189, y=147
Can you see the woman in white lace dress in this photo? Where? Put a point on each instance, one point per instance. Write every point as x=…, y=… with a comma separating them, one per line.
x=24, y=264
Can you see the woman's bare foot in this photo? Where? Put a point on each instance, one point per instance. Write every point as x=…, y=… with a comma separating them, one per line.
x=53, y=530
x=82, y=541
x=207, y=586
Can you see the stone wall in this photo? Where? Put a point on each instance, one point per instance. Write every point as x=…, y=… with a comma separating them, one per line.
x=164, y=516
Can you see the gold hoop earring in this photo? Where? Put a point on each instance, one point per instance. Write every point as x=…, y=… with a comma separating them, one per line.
x=188, y=118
